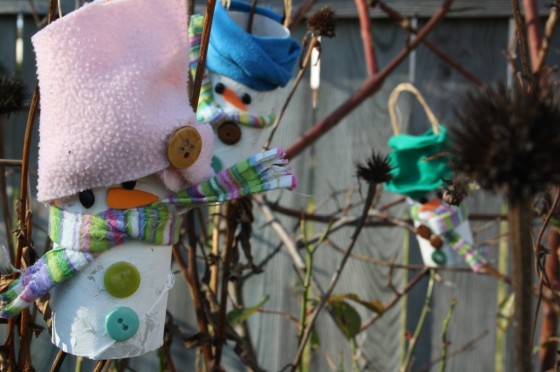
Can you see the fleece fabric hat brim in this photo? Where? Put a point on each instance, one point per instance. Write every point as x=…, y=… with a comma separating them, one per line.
x=113, y=83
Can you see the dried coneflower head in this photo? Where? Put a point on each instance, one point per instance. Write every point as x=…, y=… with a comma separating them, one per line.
x=509, y=139
x=322, y=23
x=376, y=169
x=12, y=95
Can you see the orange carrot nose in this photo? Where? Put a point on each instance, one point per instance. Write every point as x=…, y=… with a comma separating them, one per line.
x=119, y=198
x=232, y=98
x=431, y=205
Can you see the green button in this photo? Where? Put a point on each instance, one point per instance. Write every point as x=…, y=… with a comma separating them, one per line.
x=121, y=323
x=439, y=257
x=121, y=279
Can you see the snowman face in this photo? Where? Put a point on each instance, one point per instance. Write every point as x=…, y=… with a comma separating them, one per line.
x=130, y=194
x=234, y=141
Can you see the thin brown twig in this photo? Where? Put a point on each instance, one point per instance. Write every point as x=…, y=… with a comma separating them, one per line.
x=4, y=196
x=369, y=87
x=521, y=36
x=100, y=365
x=372, y=187
x=367, y=40
x=465, y=348
x=548, y=33
x=57, y=364
x=533, y=28
x=394, y=265
x=190, y=274
x=298, y=15
x=550, y=317
x=231, y=210
x=407, y=26
x=11, y=163
x=204, y=41
x=281, y=313
x=251, y=16
x=24, y=236
x=314, y=42
x=411, y=284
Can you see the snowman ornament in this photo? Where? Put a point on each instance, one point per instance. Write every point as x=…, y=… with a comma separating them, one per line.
x=246, y=72
x=121, y=158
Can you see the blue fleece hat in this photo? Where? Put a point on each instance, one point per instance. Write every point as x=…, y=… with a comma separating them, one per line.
x=261, y=63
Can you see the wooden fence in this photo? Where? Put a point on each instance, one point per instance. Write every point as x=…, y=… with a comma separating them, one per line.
x=476, y=34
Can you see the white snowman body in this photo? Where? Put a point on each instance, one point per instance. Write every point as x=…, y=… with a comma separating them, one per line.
x=241, y=98
x=88, y=318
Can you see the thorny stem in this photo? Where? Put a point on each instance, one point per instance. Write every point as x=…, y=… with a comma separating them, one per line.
x=520, y=219
x=445, y=343
x=406, y=25
x=314, y=42
x=369, y=87
x=425, y=310
x=367, y=39
x=204, y=41
x=336, y=276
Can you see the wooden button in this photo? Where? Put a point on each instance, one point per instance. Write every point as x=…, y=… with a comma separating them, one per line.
x=436, y=241
x=424, y=231
x=229, y=133
x=184, y=147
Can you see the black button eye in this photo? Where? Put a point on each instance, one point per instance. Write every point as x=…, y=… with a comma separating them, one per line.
x=246, y=99
x=87, y=199
x=219, y=88
x=129, y=185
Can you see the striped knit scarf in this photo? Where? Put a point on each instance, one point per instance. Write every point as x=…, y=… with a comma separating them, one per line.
x=209, y=111
x=443, y=221
x=79, y=238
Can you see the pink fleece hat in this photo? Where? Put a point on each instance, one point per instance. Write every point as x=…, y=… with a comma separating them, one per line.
x=113, y=81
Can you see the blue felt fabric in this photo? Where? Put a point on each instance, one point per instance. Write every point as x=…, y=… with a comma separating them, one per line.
x=261, y=63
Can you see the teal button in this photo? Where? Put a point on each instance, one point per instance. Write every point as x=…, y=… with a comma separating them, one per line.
x=121, y=323
x=217, y=164
x=439, y=257
x=121, y=279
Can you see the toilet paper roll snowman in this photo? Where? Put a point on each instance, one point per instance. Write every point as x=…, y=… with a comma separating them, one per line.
x=242, y=86
x=444, y=234
x=121, y=158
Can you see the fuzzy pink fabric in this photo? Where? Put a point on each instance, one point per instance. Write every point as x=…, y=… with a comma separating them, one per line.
x=113, y=81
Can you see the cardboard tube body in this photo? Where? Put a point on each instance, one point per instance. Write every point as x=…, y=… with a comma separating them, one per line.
x=81, y=305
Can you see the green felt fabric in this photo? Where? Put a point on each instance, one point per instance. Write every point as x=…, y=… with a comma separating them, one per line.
x=412, y=175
